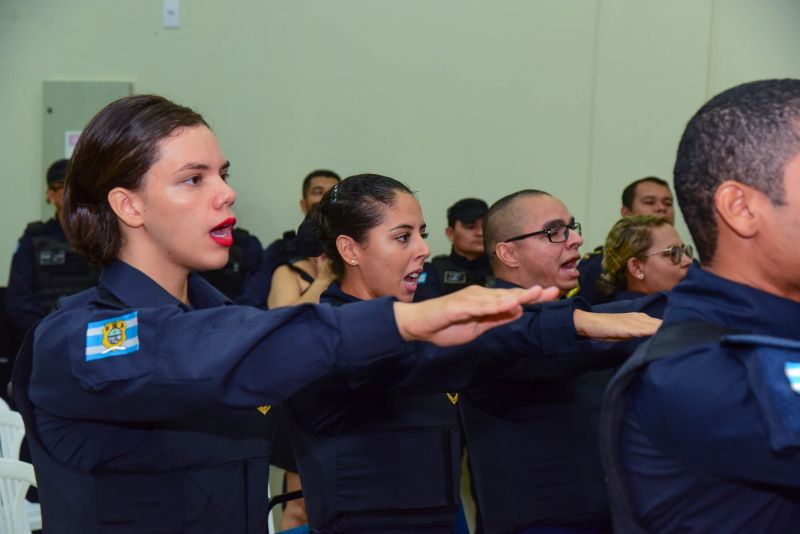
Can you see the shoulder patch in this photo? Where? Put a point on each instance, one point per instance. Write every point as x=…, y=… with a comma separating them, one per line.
x=264, y=409
x=452, y=397
x=112, y=337
x=792, y=371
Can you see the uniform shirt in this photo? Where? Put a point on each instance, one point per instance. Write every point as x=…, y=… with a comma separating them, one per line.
x=458, y=273
x=24, y=302
x=590, y=268
x=695, y=441
x=381, y=448
x=127, y=381
x=542, y=416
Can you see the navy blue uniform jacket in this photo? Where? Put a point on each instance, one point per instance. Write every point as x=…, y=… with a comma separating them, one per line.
x=127, y=380
x=380, y=451
x=532, y=434
x=700, y=439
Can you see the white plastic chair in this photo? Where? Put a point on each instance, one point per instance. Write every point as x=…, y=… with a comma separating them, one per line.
x=12, y=430
x=4, y=405
x=15, y=478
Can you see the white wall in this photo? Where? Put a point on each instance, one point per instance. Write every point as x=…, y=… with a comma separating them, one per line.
x=455, y=97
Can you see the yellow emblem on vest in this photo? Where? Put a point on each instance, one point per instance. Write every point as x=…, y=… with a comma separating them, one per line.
x=264, y=409
x=113, y=334
x=453, y=397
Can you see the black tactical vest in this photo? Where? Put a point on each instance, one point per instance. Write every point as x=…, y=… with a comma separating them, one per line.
x=59, y=270
x=453, y=277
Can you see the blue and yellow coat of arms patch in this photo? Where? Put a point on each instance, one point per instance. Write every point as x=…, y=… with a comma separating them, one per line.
x=112, y=337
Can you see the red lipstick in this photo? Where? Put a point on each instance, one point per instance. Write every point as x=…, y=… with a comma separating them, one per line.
x=222, y=233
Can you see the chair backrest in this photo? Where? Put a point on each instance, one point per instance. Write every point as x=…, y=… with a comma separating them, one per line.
x=4, y=405
x=12, y=430
x=15, y=478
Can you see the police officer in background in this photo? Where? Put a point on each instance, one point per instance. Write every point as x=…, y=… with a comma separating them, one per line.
x=646, y=196
x=466, y=264
x=243, y=279
x=44, y=267
x=284, y=250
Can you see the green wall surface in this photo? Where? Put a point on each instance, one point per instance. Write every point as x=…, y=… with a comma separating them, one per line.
x=455, y=97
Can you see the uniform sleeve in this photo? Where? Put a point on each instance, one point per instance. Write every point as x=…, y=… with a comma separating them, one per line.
x=190, y=362
x=255, y=287
x=704, y=410
x=590, y=269
x=23, y=306
x=542, y=336
x=576, y=355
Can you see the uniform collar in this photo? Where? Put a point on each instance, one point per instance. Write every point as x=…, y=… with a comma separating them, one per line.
x=706, y=297
x=53, y=226
x=134, y=288
x=336, y=297
x=625, y=294
x=503, y=284
x=469, y=265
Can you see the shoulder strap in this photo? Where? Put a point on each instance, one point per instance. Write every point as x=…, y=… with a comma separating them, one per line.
x=35, y=227
x=301, y=273
x=672, y=340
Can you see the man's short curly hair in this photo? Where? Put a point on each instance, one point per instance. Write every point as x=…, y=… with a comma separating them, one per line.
x=748, y=134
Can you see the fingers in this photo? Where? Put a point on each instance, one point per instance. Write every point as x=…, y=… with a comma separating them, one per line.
x=615, y=326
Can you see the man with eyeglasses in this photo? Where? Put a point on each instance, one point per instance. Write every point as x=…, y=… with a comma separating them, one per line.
x=532, y=434
x=646, y=196
x=700, y=430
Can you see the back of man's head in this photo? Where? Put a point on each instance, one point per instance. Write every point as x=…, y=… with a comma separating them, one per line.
x=747, y=134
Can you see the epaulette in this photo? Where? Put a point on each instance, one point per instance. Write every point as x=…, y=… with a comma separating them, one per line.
x=595, y=252
x=35, y=228
x=574, y=292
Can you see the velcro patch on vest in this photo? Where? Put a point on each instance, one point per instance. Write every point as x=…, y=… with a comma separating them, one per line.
x=264, y=409
x=792, y=370
x=455, y=277
x=452, y=397
x=52, y=257
x=112, y=337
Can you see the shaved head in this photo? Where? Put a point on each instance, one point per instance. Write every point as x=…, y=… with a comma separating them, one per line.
x=505, y=219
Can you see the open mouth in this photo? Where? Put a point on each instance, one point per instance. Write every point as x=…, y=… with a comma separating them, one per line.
x=571, y=265
x=411, y=280
x=222, y=233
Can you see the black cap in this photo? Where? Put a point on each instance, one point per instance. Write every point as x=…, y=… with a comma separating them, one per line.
x=466, y=210
x=57, y=171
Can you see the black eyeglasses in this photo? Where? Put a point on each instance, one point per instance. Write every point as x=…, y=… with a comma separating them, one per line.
x=675, y=253
x=557, y=233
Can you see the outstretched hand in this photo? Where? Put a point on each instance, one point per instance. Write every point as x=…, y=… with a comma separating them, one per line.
x=464, y=315
x=614, y=326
